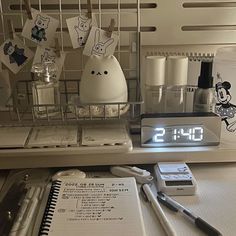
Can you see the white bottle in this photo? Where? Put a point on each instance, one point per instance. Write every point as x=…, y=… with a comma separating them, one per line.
x=45, y=91
x=177, y=74
x=155, y=84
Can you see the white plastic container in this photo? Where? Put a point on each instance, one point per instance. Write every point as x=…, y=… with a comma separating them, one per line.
x=155, y=84
x=177, y=74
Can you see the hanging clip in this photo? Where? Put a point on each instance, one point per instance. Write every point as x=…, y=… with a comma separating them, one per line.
x=11, y=30
x=111, y=28
x=57, y=48
x=89, y=7
x=28, y=9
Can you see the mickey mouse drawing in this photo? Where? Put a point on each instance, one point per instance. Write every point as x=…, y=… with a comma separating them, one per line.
x=224, y=108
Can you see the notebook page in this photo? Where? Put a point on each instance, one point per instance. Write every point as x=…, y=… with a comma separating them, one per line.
x=101, y=207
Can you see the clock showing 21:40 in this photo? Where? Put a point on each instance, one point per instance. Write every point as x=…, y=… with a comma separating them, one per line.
x=181, y=129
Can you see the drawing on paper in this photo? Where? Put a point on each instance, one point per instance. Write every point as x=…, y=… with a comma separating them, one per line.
x=16, y=55
x=223, y=107
x=99, y=48
x=46, y=57
x=82, y=29
x=38, y=32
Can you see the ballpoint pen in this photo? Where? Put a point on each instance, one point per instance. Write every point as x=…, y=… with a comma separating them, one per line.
x=149, y=196
x=30, y=211
x=22, y=211
x=175, y=206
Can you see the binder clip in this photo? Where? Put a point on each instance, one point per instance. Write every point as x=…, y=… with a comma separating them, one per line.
x=89, y=7
x=57, y=48
x=28, y=9
x=11, y=30
x=111, y=28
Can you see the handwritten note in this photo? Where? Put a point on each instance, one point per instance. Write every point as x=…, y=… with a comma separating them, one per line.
x=101, y=207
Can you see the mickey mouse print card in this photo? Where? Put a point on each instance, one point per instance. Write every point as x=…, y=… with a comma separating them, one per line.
x=79, y=28
x=46, y=54
x=14, y=54
x=99, y=43
x=41, y=29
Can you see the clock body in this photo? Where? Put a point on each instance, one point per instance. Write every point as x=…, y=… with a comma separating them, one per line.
x=180, y=129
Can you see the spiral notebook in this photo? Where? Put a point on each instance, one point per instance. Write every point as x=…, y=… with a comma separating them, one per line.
x=93, y=206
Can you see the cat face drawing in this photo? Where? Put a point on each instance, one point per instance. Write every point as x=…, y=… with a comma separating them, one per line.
x=82, y=29
x=103, y=81
x=38, y=32
x=16, y=55
x=84, y=23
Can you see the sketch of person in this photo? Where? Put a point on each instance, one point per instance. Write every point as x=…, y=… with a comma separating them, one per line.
x=99, y=48
x=224, y=108
x=38, y=32
x=16, y=55
x=82, y=29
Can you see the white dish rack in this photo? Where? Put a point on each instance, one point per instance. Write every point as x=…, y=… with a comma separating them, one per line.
x=21, y=109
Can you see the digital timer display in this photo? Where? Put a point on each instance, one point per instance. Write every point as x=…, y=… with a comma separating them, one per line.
x=182, y=129
x=178, y=134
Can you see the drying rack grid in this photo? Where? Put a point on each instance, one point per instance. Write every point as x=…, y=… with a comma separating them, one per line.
x=127, y=18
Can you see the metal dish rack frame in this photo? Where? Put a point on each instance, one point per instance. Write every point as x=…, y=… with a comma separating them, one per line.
x=20, y=105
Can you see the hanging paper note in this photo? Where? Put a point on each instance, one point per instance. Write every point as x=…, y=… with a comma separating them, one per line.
x=99, y=43
x=79, y=28
x=46, y=54
x=14, y=54
x=41, y=29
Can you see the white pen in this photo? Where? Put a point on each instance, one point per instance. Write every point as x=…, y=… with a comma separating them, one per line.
x=15, y=228
x=28, y=216
x=21, y=213
x=148, y=194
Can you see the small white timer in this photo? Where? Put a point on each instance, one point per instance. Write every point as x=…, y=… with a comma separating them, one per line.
x=103, y=81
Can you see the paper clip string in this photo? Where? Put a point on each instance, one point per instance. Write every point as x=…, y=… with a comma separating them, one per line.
x=57, y=48
x=89, y=6
x=11, y=30
x=111, y=28
x=28, y=9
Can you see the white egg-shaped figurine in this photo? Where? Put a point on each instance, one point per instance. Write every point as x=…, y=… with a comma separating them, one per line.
x=103, y=81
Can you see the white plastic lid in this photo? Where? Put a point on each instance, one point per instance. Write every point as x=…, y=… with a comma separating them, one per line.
x=155, y=70
x=177, y=70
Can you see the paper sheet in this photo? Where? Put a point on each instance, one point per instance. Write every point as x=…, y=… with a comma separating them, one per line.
x=101, y=207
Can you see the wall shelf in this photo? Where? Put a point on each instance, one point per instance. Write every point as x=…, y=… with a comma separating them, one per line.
x=76, y=156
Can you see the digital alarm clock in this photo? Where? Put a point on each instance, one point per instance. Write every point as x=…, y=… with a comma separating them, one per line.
x=180, y=129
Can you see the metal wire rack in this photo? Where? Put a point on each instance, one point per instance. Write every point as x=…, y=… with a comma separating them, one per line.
x=127, y=18
x=21, y=107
